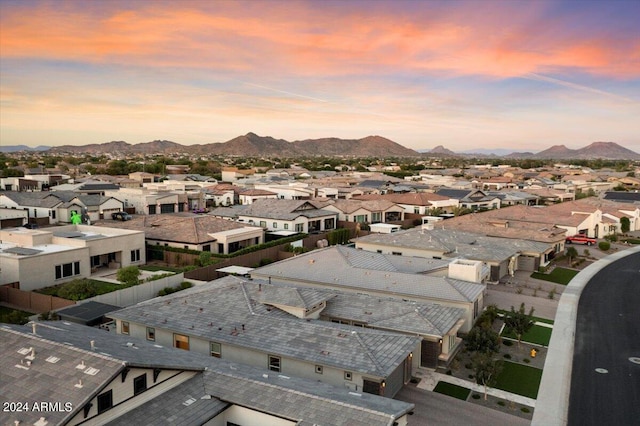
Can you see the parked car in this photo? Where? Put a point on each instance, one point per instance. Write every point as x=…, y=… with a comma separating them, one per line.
x=121, y=216
x=580, y=239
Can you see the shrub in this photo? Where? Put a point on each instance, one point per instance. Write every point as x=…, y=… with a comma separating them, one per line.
x=468, y=366
x=501, y=403
x=265, y=261
x=613, y=238
x=552, y=293
x=507, y=356
x=507, y=342
x=168, y=290
x=475, y=396
x=526, y=360
x=525, y=410
x=128, y=275
x=78, y=289
x=604, y=245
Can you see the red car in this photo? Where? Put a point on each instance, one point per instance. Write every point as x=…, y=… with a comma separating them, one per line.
x=580, y=239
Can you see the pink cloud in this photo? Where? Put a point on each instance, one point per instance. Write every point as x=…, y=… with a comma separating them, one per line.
x=307, y=40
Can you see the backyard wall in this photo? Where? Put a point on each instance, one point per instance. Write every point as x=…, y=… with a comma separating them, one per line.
x=30, y=301
x=138, y=293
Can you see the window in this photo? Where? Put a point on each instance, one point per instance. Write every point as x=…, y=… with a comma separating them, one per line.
x=274, y=363
x=216, y=349
x=152, y=209
x=361, y=218
x=135, y=255
x=140, y=384
x=347, y=375
x=263, y=223
x=167, y=208
x=318, y=369
x=206, y=247
x=67, y=270
x=286, y=226
x=124, y=328
x=376, y=217
x=275, y=225
x=346, y=218
x=181, y=341
x=416, y=210
x=105, y=401
x=299, y=227
x=151, y=334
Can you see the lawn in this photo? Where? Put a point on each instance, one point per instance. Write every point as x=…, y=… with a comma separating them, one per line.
x=536, y=319
x=558, y=275
x=537, y=334
x=96, y=287
x=519, y=379
x=452, y=390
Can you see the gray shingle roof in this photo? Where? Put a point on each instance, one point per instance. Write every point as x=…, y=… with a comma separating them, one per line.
x=217, y=311
x=33, y=199
x=331, y=267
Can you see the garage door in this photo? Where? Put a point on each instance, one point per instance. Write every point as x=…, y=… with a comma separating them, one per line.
x=527, y=263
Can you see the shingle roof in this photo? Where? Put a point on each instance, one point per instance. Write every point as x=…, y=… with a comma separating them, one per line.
x=410, y=198
x=218, y=310
x=32, y=199
x=373, y=205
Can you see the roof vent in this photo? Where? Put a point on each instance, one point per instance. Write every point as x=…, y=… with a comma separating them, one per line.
x=42, y=421
x=188, y=402
x=79, y=384
x=93, y=345
x=33, y=327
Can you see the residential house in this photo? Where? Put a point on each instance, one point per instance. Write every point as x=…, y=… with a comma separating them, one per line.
x=417, y=279
x=232, y=174
x=448, y=242
x=38, y=258
x=473, y=200
x=366, y=211
x=151, y=202
x=193, y=232
x=422, y=203
x=249, y=196
x=82, y=375
x=283, y=216
x=12, y=217
x=239, y=320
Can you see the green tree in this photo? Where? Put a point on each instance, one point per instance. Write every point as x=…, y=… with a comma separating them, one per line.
x=519, y=321
x=486, y=370
x=625, y=224
x=129, y=275
x=78, y=289
x=572, y=253
x=482, y=340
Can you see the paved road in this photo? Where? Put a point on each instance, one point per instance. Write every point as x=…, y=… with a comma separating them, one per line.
x=434, y=409
x=607, y=335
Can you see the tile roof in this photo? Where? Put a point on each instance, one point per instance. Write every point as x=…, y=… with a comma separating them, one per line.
x=373, y=205
x=189, y=403
x=294, y=297
x=410, y=198
x=216, y=385
x=217, y=311
x=33, y=199
x=331, y=268
x=179, y=227
x=283, y=209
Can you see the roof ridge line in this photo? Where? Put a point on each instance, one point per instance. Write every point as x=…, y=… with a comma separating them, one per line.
x=367, y=351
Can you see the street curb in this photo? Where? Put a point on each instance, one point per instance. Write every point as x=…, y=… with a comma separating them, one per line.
x=552, y=405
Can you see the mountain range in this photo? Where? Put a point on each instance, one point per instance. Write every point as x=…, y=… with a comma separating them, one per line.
x=374, y=146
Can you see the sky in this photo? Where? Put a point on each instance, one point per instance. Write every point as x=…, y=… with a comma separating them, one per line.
x=516, y=75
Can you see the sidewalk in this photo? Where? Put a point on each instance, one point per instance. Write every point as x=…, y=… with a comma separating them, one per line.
x=430, y=379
